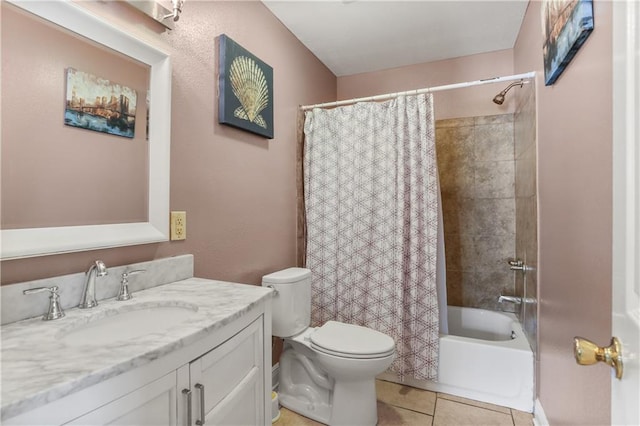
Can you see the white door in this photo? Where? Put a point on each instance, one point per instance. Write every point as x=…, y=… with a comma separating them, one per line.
x=625, y=392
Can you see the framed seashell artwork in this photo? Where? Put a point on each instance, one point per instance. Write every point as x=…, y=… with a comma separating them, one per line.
x=246, y=89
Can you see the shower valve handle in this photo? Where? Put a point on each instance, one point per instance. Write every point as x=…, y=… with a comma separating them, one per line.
x=517, y=265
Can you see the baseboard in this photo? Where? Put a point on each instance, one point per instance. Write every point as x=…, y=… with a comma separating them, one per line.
x=275, y=376
x=539, y=418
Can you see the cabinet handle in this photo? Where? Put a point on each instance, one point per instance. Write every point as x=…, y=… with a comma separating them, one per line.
x=187, y=392
x=201, y=388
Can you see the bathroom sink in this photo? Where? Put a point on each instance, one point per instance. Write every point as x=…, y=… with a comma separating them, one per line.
x=126, y=324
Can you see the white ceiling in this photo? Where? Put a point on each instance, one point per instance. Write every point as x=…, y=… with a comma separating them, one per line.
x=354, y=36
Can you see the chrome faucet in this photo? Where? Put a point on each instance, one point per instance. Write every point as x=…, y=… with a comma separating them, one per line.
x=512, y=299
x=516, y=299
x=97, y=269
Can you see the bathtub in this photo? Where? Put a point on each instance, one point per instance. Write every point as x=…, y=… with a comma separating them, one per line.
x=485, y=357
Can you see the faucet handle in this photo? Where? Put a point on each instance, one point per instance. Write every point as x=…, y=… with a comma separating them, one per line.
x=55, y=310
x=517, y=265
x=124, y=293
x=128, y=273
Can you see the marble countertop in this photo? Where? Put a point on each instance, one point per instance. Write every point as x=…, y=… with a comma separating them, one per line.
x=38, y=368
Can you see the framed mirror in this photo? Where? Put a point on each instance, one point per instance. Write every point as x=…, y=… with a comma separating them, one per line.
x=150, y=222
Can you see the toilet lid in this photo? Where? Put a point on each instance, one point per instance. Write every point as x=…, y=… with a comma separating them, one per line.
x=350, y=340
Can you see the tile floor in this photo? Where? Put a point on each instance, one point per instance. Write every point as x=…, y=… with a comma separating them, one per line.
x=403, y=405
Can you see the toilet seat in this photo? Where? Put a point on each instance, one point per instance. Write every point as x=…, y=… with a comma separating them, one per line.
x=351, y=341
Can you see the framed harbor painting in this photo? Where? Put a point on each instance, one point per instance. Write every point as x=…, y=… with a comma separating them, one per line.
x=566, y=24
x=95, y=103
x=246, y=89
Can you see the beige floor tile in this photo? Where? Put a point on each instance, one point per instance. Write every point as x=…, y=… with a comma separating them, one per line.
x=520, y=418
x=289, y=418
x=485, y=405
x=389, y=415
x=406, y=397
x=450, y=413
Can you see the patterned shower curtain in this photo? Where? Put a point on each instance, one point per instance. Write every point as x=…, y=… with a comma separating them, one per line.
x=371, y=204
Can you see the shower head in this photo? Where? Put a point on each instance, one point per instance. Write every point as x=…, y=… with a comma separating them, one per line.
x=499, y=98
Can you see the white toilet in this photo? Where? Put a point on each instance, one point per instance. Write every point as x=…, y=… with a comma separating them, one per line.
x=326, y=373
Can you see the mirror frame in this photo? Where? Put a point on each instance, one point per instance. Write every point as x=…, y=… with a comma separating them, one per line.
x=31, y=242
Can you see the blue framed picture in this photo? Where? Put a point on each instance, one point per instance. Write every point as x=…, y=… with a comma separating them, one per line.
x=95, y=103
x=246, y=89
x=566, y=24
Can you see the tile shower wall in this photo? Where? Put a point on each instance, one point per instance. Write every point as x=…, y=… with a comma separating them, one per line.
x=526, y=208
x=477, y=173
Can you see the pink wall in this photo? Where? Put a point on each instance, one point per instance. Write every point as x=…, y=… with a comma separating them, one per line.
x=468, y=102
x=575, y=190
x=238, y=189
x=574, y=172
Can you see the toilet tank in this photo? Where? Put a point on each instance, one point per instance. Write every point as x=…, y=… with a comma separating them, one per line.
x=292, y=302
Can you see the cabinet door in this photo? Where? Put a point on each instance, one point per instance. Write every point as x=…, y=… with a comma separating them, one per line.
x=241, y=406
x=230, y=380
x=152, y=404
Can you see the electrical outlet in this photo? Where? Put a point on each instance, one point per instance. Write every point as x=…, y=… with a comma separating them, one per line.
x=178, y=226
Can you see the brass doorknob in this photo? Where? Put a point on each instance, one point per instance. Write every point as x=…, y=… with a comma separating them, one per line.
x=587, y=353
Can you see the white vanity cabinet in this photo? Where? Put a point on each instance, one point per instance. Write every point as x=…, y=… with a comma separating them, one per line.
x=227, y=383
x=224, y=378
x=229, y=379
x=152, y=404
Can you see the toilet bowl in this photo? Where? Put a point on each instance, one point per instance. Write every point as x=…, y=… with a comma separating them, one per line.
x=326, y=373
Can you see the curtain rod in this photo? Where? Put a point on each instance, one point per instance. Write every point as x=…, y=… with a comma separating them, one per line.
x=421, y=91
